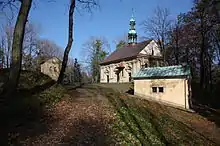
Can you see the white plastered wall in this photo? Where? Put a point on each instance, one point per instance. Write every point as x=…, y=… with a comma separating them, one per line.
x=175, y=90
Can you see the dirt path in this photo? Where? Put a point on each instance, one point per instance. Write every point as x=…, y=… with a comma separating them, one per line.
x=81, y=119
x=95, y=115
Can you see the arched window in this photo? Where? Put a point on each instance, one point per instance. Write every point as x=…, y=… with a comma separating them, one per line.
x=145, y=65
x=152, y=53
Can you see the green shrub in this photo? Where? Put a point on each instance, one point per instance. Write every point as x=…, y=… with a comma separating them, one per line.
x=52, y=95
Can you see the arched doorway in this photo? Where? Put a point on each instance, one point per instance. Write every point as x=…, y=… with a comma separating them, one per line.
x=129, y=71
x=107, y=78
x=107, y=73
x=119, y=73
x=130, y=78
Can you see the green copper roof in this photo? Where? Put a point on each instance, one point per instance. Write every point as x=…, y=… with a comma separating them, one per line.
x=132, y=31
x=163, y=72
x=132, y=19
x=132, y=34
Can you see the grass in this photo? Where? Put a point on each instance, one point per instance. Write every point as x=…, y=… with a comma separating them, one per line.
x=52, y=95
x=139, y=122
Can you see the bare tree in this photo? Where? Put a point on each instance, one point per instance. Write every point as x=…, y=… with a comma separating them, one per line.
x=89, y=47
x=95, y=50
x=47, y=48
x=174, y=39
x=44, y=50
x=158, y=27
x=30, y=46
x=2, y=52
x=9, y=8
x=17, y=45
x=86, y=4
x=8, y=35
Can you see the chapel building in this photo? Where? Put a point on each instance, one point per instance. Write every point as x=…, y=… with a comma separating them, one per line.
x=123, y=63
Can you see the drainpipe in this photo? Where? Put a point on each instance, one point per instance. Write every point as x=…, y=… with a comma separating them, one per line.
x=185, y=91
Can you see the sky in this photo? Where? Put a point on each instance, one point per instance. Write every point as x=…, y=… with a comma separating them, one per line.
x=111, y=20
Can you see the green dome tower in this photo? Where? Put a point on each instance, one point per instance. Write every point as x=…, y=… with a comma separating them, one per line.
x=132, y=34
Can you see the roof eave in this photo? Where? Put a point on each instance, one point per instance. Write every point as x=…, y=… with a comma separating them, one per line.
x=118, y=60
x=161, y=77
x=150, y=56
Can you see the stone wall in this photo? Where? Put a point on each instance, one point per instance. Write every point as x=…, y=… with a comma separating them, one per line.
x=128, y=67
x=51, y=68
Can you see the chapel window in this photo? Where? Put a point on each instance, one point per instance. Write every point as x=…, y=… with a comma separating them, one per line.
x=154, y=89
x=161, y=90
x=145, y=65
x=157, y=89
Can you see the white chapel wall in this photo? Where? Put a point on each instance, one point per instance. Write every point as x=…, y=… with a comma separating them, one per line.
x=131, y=66
x=151, y=46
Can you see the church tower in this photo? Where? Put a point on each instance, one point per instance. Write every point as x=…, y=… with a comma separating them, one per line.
x=132, y=34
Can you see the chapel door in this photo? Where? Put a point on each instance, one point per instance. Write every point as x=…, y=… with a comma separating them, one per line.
x=118, y=77
x=129, y=77
x=107, y=78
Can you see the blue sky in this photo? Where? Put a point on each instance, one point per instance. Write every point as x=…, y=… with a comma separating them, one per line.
x=110, y=21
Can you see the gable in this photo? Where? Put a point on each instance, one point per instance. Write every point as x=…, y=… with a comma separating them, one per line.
x=151, y=49
x=53, y=60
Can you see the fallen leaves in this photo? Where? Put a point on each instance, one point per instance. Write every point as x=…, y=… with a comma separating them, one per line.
x=80, y=121
x=87, y=117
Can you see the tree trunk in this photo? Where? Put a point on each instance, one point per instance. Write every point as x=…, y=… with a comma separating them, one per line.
x=29, y=64
x=2, y=47
x=210, y=73
x=7, y=58
x=202, y=73
x=9, y=38
x=202, y=56
x=69, y=44
x=177, y=46
x=17, y=46
x=164, y=50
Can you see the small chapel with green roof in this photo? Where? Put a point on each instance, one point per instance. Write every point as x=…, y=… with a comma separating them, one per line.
x=142, y=63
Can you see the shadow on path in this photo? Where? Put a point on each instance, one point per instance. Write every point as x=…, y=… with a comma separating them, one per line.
x=87, y=132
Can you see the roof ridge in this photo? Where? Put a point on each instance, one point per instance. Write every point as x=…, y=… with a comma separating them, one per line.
x=167, y=66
